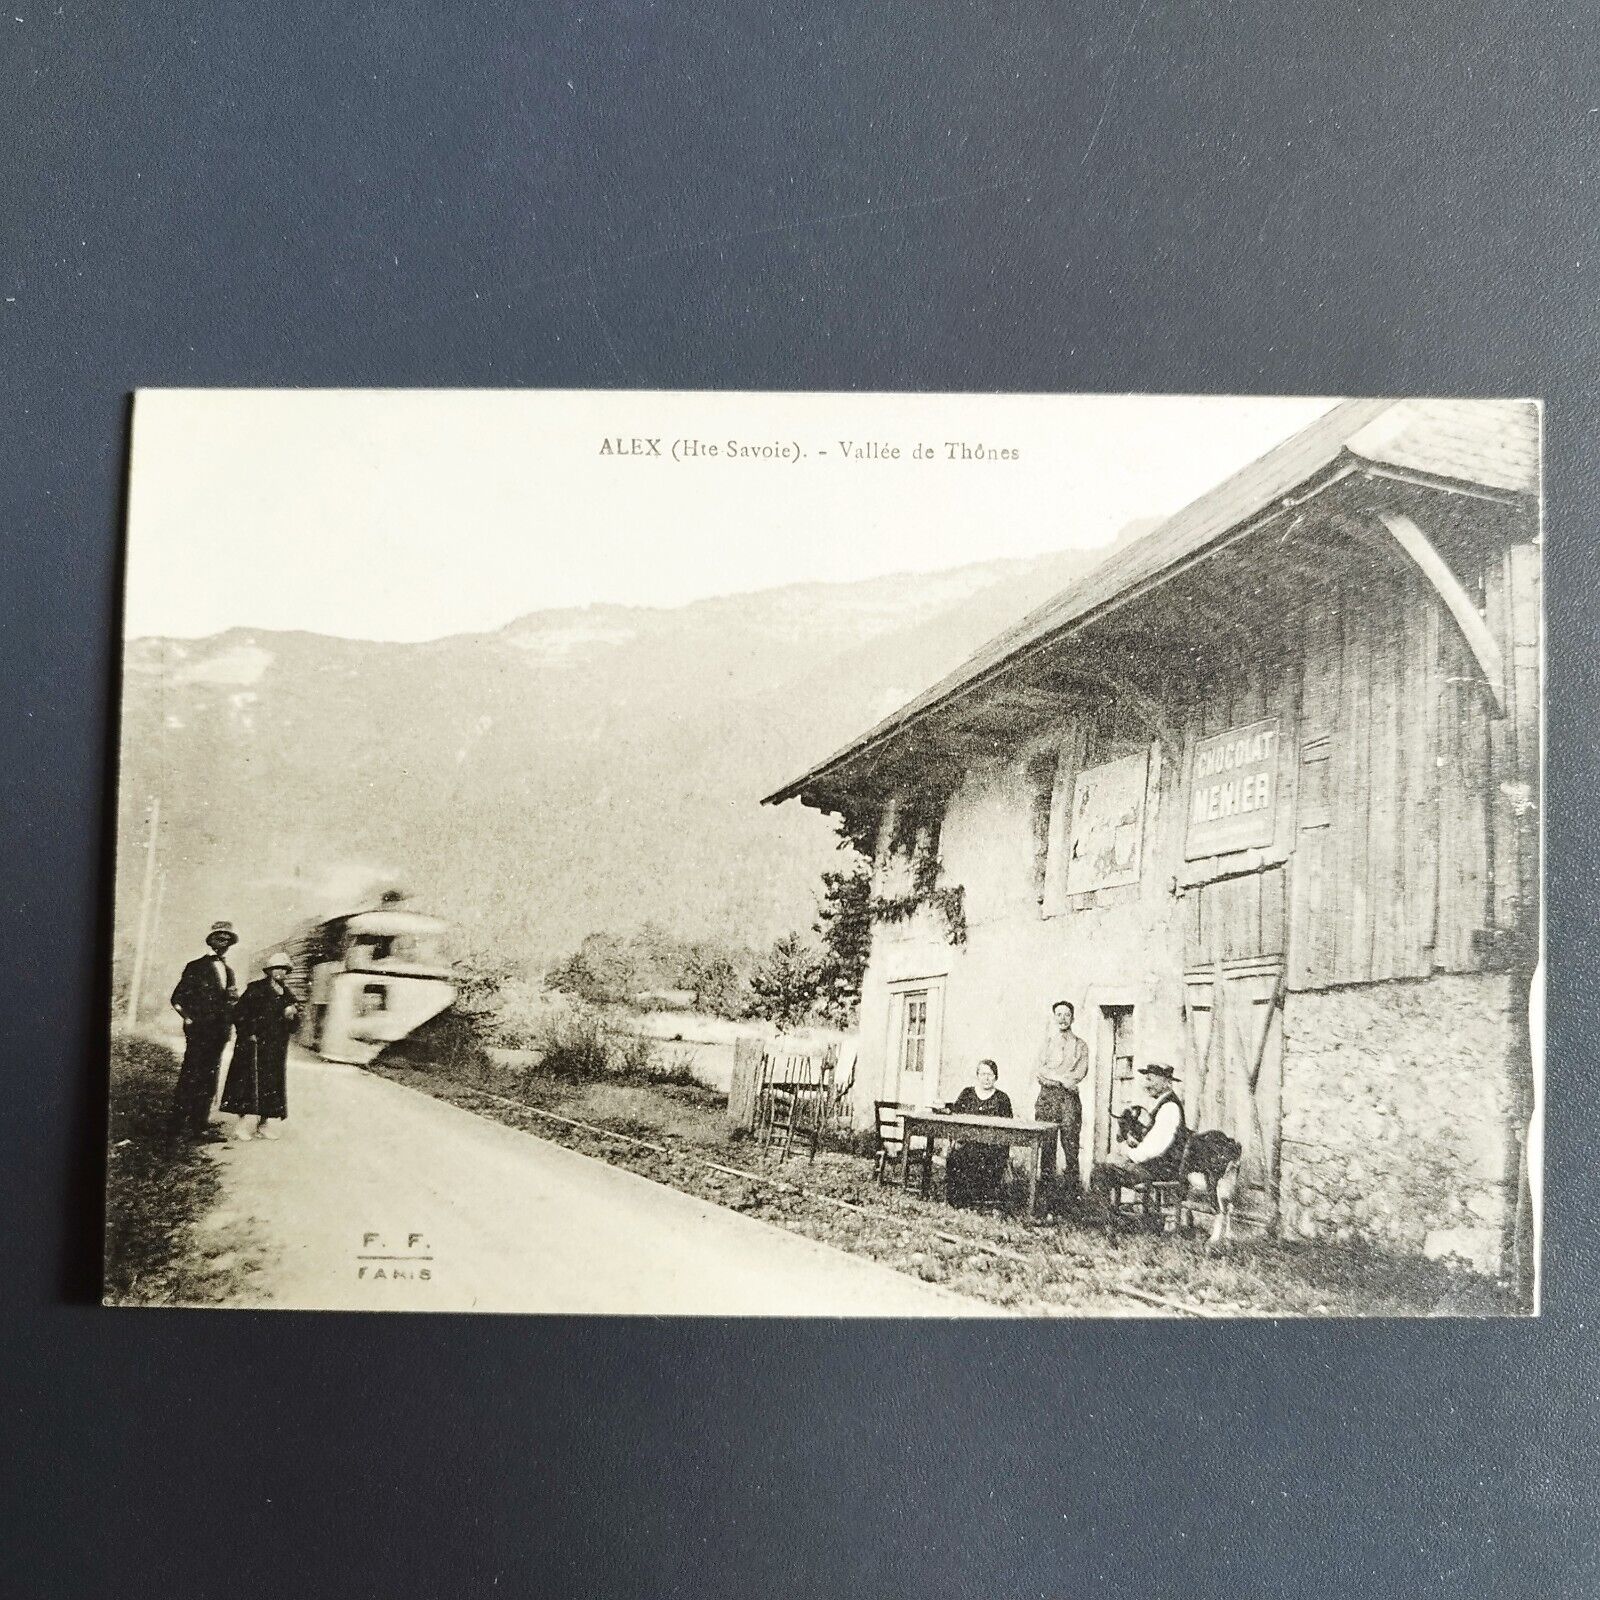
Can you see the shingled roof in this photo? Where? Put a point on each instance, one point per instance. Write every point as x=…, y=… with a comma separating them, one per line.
x=1475, y=444
x=1492, y=443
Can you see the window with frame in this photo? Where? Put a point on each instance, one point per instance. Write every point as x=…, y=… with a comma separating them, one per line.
x=1121, y=1020
x=1117, y=1036
x=914, y=1032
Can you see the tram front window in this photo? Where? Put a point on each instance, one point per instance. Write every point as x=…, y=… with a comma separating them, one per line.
x=421, y=949
x=414, y=949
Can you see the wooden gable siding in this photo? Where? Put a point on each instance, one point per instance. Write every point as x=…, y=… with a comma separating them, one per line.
x=1406, y=838
x=1234, y=919
x=1400, y=833
x=1243, y=913
x=1408, y=832
x=1363, y=891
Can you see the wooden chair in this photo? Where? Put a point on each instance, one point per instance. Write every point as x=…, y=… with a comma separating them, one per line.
x=773, y=1097
x=795, y=1099
x=1144, y=1203
x=890, y=1124
x=1176, y=1200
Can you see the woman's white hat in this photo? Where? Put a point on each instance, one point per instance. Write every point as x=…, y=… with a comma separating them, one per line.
x=277, y=959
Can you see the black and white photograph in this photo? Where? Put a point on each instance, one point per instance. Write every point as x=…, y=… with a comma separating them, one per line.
x=816, y=855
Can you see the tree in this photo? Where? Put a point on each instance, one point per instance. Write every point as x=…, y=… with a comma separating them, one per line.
x=655, y=959
x=783, y=987
x=844, y=923
x=481, y=972
x=600, y=971
x=718, y=981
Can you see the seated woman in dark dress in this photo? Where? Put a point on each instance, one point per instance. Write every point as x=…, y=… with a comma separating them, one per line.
x=973, y=1172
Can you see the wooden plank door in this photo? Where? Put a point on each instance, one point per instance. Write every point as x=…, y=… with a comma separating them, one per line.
x=1234, y=1011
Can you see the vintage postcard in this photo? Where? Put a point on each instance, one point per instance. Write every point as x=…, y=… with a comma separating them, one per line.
x=829, y=854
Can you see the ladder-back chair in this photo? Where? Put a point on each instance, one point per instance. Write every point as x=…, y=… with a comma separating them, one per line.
x=889, y=1120
x=795, y=1099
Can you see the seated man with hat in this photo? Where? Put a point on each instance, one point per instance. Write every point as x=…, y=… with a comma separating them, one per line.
x=205, y=997
x=1156, y=1154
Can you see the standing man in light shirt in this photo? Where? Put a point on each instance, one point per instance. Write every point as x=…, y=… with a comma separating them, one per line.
x=1063, y=1065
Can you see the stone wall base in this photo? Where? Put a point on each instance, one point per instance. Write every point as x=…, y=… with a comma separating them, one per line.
x=1397, y=1111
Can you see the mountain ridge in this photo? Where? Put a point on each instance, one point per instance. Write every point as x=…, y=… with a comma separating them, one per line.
x=532, y=794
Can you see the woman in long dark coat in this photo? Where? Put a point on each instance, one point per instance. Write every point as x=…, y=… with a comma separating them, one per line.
x=973, y=1172
x=263, y=1020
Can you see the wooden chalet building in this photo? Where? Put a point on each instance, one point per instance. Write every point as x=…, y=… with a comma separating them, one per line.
x=1260, y=795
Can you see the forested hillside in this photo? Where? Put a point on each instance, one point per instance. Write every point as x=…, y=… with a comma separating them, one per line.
x=578, y=771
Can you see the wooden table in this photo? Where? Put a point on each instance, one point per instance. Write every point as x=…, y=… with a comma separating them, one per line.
x=969, y=1129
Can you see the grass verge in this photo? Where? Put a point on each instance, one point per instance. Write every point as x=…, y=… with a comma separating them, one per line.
x=157, y=1187
x=1075, y=1269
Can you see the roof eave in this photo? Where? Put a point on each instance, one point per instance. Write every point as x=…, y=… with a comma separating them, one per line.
x=1341, y=467
x=811, y=787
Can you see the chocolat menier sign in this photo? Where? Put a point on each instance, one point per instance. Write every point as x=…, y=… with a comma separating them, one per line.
x=1233, y=790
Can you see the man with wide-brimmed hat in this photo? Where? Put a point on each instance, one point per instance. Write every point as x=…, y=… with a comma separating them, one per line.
x=1156, y=1153
x=205, y=997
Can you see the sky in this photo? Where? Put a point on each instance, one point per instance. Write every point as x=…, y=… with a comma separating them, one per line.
x=414, y=514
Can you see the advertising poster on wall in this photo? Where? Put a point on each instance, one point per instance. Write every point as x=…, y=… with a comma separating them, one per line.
x=1107, y=825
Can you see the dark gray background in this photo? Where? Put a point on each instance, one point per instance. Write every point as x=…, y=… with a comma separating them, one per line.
x=1172, y=195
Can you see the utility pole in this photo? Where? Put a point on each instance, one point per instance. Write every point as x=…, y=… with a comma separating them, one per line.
x=146, y=908
x=154, y=939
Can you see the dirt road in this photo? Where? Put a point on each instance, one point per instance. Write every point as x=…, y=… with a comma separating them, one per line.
x=379, y=1198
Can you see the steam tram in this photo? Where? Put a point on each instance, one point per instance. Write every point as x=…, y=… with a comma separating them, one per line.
x=368, y=978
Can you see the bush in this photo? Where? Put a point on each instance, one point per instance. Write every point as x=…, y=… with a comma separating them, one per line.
x=602, y=971
x=572, y=1046
x=679, y=1068
x=644, y=1059
x=451, y=1042
x=575, y=1044
x=719, y=981
x=641, y=1057
x=524, y=1011
x=610, y=969
x=480, y=975
x=638, y=1058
